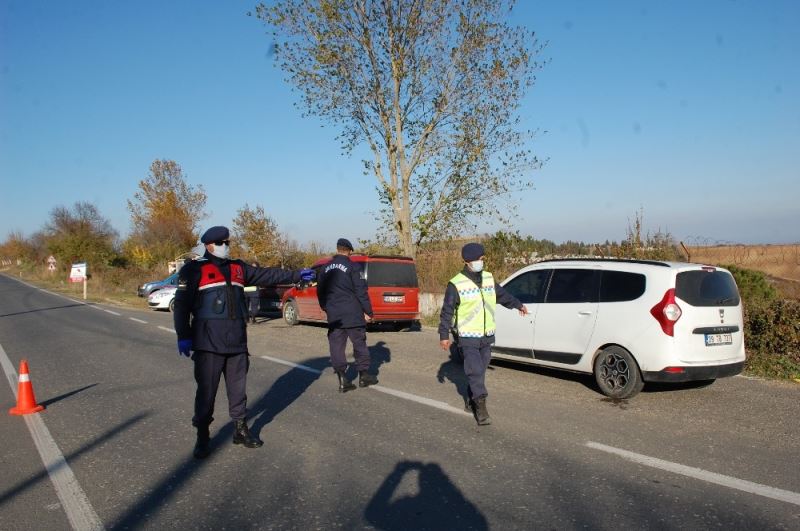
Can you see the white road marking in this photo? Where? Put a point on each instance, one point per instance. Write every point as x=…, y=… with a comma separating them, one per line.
x=112, y=313
x=421, y=400
x=294, y=365
x=80, y=513
x=389, y=391
x=137, y=320
x=165, y=329
x=703, y=475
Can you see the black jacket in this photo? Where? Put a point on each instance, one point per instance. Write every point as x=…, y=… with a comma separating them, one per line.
x=226, y=334
x=452, y=300
x=342, y=293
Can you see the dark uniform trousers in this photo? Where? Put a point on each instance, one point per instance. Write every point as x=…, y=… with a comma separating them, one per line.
x=337, y=339
x=208, y=367
x=477, y=355
x=253, y=304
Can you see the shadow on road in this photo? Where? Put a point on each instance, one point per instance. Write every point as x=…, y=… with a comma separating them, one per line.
x=280, y=396
x=283, y=393
x=452, y=370
x=43, y=309
x=65, y=395
x=99, y=441
x=437, y=503
x=379, y=354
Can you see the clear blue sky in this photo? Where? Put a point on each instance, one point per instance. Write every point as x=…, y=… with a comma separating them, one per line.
x=689, y=110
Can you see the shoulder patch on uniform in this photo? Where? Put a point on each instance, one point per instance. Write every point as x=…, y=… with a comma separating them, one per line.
x=182, y=283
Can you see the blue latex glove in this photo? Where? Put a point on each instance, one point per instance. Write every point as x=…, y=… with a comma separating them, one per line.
x=307, y=275
x=185, y=347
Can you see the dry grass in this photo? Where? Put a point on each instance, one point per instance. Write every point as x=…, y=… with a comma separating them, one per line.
x=781, y=263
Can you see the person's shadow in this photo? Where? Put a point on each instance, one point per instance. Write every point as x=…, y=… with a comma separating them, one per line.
x=379, y=354
x=284, y=392
x=452, y=370
x=437, y=504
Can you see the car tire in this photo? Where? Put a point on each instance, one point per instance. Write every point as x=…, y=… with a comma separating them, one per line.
x=290, y=314
x=617, y=373
x=172, y=305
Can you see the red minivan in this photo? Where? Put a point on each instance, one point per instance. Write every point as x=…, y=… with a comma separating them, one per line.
x=392, y=285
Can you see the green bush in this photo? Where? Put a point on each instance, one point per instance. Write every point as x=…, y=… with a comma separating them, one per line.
x=771, y=326
x=772, y=338
x=753, y=285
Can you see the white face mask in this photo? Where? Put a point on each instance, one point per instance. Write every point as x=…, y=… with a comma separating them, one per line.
x=220, y=251
x=476, y=265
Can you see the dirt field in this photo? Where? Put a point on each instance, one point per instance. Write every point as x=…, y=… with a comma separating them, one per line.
x=780, y=262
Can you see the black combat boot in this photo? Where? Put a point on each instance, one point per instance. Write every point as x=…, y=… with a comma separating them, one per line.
x=243, y=436
x=344, y=382
x=201, y=449
x=366, y=379
x=481, y=413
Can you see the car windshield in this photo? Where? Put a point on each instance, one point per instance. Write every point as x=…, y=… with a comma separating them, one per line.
x=702, y=287
x=391, y=274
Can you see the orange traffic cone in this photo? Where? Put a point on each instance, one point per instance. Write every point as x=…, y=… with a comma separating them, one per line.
x=26, y=402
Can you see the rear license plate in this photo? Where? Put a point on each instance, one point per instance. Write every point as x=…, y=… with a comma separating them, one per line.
x=718, y=339
x=394, y=298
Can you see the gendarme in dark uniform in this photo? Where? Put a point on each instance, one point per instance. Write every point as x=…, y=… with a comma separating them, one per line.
x=342, y=294
x=210, y=320
x=468, y=311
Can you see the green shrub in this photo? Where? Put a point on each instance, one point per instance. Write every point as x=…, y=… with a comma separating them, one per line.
x=772, y=338
x=753, y=285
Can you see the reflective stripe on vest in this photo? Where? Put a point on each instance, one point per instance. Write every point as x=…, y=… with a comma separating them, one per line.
x=213, y=301
x=475, y=315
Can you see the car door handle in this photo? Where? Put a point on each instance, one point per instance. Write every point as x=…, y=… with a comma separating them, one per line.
x=585, y=312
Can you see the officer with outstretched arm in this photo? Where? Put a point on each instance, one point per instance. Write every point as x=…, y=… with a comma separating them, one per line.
x=211, y=323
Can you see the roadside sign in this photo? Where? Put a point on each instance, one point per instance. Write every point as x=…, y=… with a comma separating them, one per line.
x=78, y=272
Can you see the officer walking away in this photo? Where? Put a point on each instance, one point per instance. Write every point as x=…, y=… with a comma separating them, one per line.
x=468, y=310
x=253, y=300
x=342, y=294
x=210, y=320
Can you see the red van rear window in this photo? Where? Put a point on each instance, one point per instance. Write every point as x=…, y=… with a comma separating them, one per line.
x=391, y=274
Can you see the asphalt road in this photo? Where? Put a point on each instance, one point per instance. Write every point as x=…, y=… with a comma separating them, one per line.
x=117, y=439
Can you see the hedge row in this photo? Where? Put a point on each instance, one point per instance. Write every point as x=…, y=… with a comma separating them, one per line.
x=772, y=338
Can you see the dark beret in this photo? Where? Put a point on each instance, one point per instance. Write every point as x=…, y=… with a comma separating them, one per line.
x=344, y=244
x=215, y=234
x=472, y=251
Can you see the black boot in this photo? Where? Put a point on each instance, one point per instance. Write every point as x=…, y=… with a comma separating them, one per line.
x=481, y=413
x=344, y=382
x=201, y=449
x=366, y=379
x=243, y=436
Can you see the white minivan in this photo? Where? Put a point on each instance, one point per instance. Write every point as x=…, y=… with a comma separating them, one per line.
x=625, y=321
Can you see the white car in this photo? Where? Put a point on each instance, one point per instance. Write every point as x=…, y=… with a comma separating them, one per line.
x=162, y=299
x=625, y=321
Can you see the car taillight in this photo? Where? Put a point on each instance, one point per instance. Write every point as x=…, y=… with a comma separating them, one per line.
x=667, y=312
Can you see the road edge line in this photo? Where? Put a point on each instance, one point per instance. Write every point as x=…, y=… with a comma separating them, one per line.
x=703, y=475
x=79, y=510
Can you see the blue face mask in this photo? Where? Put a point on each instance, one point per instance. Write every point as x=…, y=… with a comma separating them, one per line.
x=476, y=265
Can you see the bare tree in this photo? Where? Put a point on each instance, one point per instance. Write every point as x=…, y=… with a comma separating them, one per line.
x=433, y=88
x=80, y=233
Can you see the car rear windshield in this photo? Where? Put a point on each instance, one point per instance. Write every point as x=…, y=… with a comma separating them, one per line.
x=391, y=274
x=702, y=287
